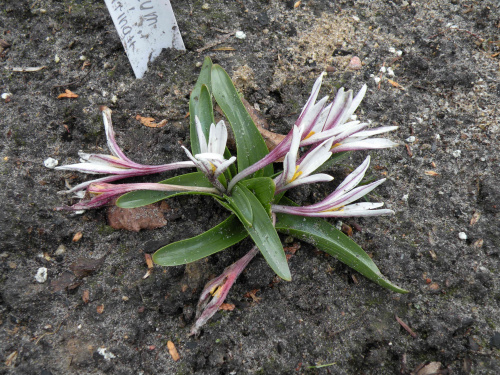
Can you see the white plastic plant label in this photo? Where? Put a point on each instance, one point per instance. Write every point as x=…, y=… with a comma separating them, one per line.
x=145, y=27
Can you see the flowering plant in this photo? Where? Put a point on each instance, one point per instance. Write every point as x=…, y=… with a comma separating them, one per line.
x=251, y=190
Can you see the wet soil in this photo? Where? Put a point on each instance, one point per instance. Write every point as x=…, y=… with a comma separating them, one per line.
x=442, y=181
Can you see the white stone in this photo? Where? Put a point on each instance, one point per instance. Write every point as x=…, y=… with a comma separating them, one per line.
x=462, y=236
x=6, y=95
x=107, y=355
x=50, y=163
x=457, y=153
x=390, y=72
x=57, y=59
x=41, y=275
x=383, y=69
x=145, y=28
x=376, y=79
x=410, y=139
x=240, y=35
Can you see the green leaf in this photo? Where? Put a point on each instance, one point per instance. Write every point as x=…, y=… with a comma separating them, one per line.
x=242, y=207
x=249, y=142
x=329, y=239
x=262, y=231
x=263, y=188
x=144, y=197
x=220, y=237
x=200, y=104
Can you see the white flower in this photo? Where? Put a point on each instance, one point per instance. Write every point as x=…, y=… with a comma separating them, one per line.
x=211, y=159
x=337, y=204
x=297, y=172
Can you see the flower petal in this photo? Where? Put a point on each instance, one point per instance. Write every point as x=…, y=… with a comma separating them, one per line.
x=201, y=136
x=365, y=144
x=110, y=134
x=320, y=177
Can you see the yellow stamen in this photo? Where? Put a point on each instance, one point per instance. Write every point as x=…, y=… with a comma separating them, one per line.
x=215, y=291
x=334, y=209
x=311, y=133
x=296, y=174
x=335, y=145
x=213, y=167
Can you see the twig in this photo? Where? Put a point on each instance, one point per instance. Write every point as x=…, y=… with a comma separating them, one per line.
x=53, y=332
x=405, y=326
x=215, y=43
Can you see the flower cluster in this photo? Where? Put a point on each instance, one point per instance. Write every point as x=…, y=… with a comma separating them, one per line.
x=325, y=128
x=321, y=130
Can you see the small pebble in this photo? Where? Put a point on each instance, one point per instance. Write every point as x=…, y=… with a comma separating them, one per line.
x=390, y=72
x=50, y=163
x=434, y=286
x=61, y=249
x=356, y=18
x=205, y=6
x=41, y=275
x=392, y=50
x=6, y=95
x=462, y=236
x=355, y=63
x=399, y=52
x=383, y=69
x=83, y=58
x=376, y=79
x=107, y=355
x=56, y=59
x=198, y=64
x=405, y=197
x=240, y=35
x=410, y=139
x=457, y=153
x=114, y=99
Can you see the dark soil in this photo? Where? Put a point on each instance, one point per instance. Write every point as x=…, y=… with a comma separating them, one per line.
x=448, y=98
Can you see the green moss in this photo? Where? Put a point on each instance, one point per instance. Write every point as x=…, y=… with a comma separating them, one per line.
x=105, y=230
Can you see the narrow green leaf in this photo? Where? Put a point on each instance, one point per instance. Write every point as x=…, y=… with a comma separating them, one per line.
x=200, y=105
x=329, y=239
x=241, y=206
x=263, y=233
x=249, y=142
x=220, y=237
x=144, y=197
x=263, y=188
